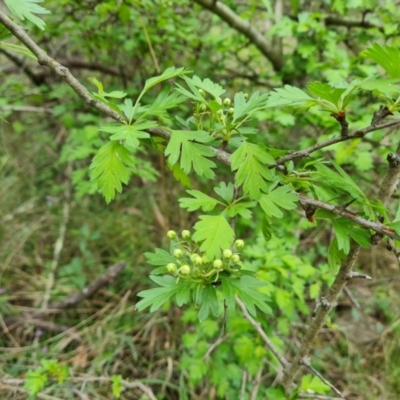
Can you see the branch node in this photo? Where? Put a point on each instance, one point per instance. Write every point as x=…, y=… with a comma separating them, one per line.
x=379, y=115
x=341, y=118
x=393, y=159
x=352, y=275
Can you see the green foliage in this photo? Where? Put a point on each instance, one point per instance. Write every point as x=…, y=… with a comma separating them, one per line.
x=279, y=272
x=37, y=379
x=117, y=385
x=26, y=9
x=215, y=233
x=199, y=275
x=282, y=197
x=250, y=161
x=111, y=167
x=313, y=384
x=387, y=57
x=187, y=147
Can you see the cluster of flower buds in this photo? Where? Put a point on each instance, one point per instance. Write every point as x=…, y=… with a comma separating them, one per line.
x=190, y=263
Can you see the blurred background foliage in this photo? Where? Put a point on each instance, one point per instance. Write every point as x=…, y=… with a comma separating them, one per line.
x=46, y=147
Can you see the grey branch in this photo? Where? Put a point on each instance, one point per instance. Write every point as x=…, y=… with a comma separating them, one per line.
x=355, y=135
x=341, y=278
x=247, y=29
x=57, y=68
x=375, y=226
x=307, y=363
x=264, y=336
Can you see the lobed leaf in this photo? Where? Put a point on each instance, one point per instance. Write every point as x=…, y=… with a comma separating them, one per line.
x=215, y=233
x=193, y=155
x=250, y=161
x=25, y=9
x=199, y=200
x=110, y=168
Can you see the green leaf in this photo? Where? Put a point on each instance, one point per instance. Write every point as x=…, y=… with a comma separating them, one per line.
x=209, y=302
x=127, y=109
x=282, y=197
x=215, y=233
x=276, y=393
x=382, y=85
x=207, y=85
x=116, y=94
x=199, y=200
x=241, y=209
x=164, y=101
x=155, y=298
x=18, y=49
x=183, y=295
x=160, y=257
x=194, y=155
x=290, y=96
x=266, y=229
x=314, y=384
x=26, y=9
x=329, y=93
x=4, y=33
x=245, y=288
x=98, y=84
x=340, y=180
x=179, y=175
x=110, y=168
x=335, y=256
x=225, y=191
x=243, y=108
x=130, y=133
x=169, y=73
x=342, y=232
x=387, y=57
x=35, y=381
x=117, y=385
x=250, y=161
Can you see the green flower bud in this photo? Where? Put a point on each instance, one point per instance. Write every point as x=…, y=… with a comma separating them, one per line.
x=217, y=264
x=239, y=244
x=202, y=107
x=227, y=253
x=184, y=269
x=202, y=92
x=178, y=253
x=186, y=234
x=227, y=102
x=246, y=96
x=204, y=260
x=219, y=100
x=171, y=234
x=231, y=110
x=198, y=260
x=235, y=258
x=171, y=267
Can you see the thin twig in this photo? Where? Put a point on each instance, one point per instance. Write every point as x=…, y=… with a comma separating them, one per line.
x=57, y=68
x=390, y=180
x=256, y=384
x=307, y=363
x=378, y=227
x=317, y=397
x=355, y=135
x=214, y=346
x=247, y=29
x=351, y=297
x=262, y=333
